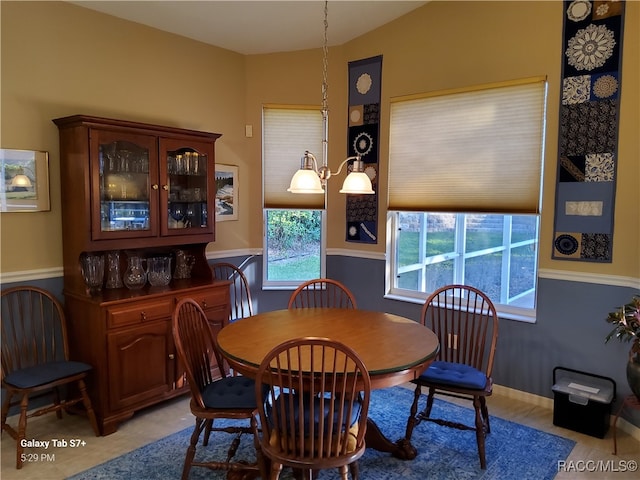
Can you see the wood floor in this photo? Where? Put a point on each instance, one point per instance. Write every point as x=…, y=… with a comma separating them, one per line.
x=587, y=461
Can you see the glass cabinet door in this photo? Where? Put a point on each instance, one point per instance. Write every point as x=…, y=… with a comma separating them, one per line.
x=124, y=173
x=188, y=170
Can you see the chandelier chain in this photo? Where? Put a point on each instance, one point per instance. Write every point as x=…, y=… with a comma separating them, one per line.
x=325, y=61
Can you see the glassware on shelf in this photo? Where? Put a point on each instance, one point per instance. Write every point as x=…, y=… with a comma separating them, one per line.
x=135, y=277
x=184, y=264
x=187, y=163
x=179, y=166
x=92, y=271
x=203, y=215
x=195, y=163
x=159, y=271
x=114, y=280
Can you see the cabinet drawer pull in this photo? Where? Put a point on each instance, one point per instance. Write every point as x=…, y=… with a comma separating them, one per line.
x=143, y=316
x=154, y=186
x=204, y=304
x=171, y=356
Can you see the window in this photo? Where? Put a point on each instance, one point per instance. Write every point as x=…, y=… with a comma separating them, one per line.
x=294, y=239
x=294, y=246
x=495, y=253
x=464, y=193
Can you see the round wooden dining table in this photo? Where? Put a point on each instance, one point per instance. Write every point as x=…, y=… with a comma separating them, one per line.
x=394, y=349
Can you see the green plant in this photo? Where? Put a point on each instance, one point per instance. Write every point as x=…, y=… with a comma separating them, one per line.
x=626, y=321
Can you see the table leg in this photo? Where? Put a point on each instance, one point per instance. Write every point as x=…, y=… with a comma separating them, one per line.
x=374, y=438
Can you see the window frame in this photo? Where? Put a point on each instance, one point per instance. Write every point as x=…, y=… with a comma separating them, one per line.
x=414, y=296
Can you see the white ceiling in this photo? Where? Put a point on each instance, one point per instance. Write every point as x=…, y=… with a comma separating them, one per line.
x=262, y=26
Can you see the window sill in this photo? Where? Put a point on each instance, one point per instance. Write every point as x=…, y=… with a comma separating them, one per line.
x=505, y=313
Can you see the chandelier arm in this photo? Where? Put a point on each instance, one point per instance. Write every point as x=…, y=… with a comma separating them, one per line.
x=357, y=157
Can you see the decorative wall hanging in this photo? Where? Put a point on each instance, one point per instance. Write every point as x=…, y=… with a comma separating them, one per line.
x=365, y=77
x=226, y=192
x=25, y=181
x=588, y=136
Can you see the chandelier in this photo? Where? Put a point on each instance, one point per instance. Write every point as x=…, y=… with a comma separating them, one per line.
x=312, y=178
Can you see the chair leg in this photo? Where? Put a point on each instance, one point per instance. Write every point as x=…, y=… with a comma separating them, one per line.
x=22, y=429
x=56, y=401
x=355, y=470
x=191, y=451
x=276, y=468
x=260, y=457
x=344, y=472
x=485, y=414
x=86, y=401
x=5, y=411
x=480, y=432
x=412, y=421
x=430, y=398
x=208, y=426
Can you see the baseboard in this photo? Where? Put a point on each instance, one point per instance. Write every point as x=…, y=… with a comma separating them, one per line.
x=544, y=402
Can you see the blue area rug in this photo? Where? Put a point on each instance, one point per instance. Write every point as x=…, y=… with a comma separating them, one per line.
x=513, y=451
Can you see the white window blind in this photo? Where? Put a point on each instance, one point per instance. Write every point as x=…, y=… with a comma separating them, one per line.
x=287, y=133
x=478, y=150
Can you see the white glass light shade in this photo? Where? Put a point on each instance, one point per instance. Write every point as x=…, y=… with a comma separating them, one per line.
x=305, y=181
x=20, y=180
x=357, y=183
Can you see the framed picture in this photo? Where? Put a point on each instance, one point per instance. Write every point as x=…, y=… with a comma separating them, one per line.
x=226, y=192
x=25, y=181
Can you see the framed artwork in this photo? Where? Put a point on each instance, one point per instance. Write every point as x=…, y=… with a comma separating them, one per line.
x=226, y=192
x=25, y=181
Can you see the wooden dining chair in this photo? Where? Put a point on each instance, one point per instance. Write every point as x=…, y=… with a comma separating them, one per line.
x=466, y=323
x=315, y=416
x=35, y=360
x=322, y=293
x=229, y=397
x=241, y=303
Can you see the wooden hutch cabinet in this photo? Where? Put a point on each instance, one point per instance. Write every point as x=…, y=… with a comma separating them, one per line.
x=132, y=192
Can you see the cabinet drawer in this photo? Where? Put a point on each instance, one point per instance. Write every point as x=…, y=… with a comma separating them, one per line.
x=209, y=298
x=139, y=312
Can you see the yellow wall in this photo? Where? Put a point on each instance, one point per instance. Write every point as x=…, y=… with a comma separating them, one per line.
x=60, y=59
x=448, y=44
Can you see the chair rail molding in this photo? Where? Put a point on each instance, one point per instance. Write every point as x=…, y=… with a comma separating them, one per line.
x=241, y=252
x=586, y=277
x=29, y=275
x=551, y=274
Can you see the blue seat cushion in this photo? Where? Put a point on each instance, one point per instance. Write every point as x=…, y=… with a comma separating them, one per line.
x=355, y=413
x=454, y=374
x=37, y=375
x=230, y=392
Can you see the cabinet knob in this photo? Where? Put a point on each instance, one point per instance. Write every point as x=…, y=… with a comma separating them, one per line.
x=165, y=187
x=143, y=316
x=171, y=356
x=204, y=304
x=154, y=186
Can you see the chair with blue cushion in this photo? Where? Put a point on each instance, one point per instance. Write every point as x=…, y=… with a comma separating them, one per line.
x=466, y=323
x=213, y=399
x=35, y=361
x=315, y=416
